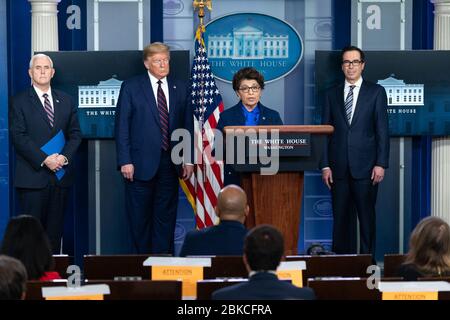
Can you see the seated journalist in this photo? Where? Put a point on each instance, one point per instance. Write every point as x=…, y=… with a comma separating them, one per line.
x=226, y=238
x=429, y=251
x=263, y=250
x=25, y=239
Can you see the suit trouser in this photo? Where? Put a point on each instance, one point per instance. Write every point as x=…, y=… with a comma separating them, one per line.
x=152, y=209
x=48, y=206
x=350, y=194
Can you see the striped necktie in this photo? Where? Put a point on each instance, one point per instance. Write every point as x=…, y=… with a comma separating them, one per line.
x=163, y=117
x=48, y=109
x=348, y=104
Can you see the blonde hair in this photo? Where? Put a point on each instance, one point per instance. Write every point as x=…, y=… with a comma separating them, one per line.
x=429, y=246
x=154, y=48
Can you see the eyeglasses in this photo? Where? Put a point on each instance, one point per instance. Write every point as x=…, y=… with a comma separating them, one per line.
x=247, y=89
x=355, y=63
x=159, y=62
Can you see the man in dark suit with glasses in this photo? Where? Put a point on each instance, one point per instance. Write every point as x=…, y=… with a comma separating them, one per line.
x=357, y=153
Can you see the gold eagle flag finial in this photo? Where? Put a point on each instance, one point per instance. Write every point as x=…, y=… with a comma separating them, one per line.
x=200, y=5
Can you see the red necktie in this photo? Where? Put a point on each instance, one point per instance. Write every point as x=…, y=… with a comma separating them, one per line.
x=163, y=117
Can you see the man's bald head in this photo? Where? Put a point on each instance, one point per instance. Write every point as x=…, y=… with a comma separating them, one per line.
x=232, y=203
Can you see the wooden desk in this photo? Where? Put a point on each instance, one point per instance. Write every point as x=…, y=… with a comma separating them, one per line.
x=62, y=261
x=142, y=290
x=350, y=265
x=391, y=264
x=34, y=288
x=120, y=290
x=226, y=267
x=345, y=288
x=441, y=295
x=108, y=267
x=111, y=266
x=205, y=288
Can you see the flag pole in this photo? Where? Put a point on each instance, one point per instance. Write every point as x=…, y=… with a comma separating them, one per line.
x=206, y=104
x=200, y=5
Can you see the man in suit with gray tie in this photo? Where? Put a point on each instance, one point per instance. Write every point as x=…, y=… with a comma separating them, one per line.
x=357, y=153
x=150, y=107
x=37, y=115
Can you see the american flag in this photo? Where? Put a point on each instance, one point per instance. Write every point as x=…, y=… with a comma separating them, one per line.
x=205, y=100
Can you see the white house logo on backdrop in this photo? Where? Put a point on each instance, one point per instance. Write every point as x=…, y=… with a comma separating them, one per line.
x=401, y=94
x=97, y=107
x=248, y=43
x=103, y=95
x=323, y=207
x=173, y=7
x=323, y=29
x=252, y=40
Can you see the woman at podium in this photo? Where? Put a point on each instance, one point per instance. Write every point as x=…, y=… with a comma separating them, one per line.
x=248, y=84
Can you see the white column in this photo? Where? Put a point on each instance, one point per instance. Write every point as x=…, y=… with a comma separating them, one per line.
x=440, y=156
x=44, y=25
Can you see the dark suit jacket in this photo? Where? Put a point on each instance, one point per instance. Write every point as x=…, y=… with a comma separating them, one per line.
x=410, y=272
x=227, y=238
x=30, y=129
x=137, y=125
x=234, y=116
x=263, y=286
x=364, y=143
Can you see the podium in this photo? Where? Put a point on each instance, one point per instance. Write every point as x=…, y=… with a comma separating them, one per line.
x=275, y=198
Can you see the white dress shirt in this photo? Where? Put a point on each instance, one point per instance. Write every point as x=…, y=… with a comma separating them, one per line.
x=357, y=85
x=164, y=86
x=40, y=94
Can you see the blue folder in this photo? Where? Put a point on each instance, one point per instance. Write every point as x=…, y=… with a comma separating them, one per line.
x=55, y=145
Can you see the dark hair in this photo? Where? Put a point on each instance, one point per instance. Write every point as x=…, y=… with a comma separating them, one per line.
x=429, y=247
x=318, y=249
x=263, y=248
x=353, y=48
x=247, y=73
x=26, y=240
x=13, y=278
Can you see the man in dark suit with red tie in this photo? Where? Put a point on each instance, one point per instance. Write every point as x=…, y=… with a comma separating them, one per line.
x=150, y=107
x=357, y=152
x=36, y=116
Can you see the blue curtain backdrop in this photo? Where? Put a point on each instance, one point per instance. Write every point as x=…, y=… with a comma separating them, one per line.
x=4, y=143
x=423, y=29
